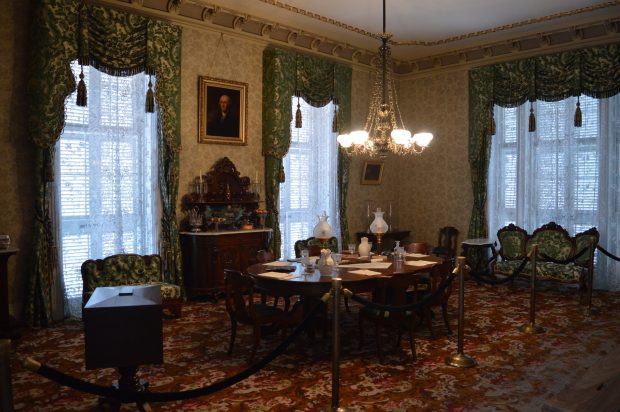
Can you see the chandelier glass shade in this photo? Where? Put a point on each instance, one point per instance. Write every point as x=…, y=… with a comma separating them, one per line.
x=384, y=131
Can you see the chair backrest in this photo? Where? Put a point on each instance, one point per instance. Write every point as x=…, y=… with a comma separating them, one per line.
x=446, y=244
x=264, y=256
x=512, y=240
x=118, y=270
x=239, y=295
x=417, y=247
x=395, y=290
x=314, y=246
x=439, y=274
x=588, y=239
x=552, y=240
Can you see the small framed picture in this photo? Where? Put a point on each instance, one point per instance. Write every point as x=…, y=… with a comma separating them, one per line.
x=372, y=172
x=222, y=111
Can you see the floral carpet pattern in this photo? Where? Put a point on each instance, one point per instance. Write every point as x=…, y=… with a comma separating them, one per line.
x=515, y=371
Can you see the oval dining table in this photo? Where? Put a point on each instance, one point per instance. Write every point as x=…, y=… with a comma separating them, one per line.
x=311, y=284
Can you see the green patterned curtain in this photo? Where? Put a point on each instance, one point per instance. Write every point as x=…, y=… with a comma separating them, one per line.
x=318, y=81
x=116, y=43
x=594, y=72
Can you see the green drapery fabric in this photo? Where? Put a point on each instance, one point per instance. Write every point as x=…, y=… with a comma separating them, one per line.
x=318, y=81
x=594, y=72
x=61, y=31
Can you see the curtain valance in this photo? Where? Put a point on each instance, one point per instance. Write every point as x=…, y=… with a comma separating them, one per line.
x=594, y=72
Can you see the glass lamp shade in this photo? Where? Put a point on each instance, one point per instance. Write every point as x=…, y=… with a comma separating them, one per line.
x=345, y=140
x=379, y=225
x=401, y=136
x=322, y=230
x=359, y=136
x=423, y=139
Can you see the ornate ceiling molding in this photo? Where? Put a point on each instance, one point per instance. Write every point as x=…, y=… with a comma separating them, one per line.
x=198, y=14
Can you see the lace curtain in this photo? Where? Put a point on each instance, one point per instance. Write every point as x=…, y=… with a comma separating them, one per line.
x=106, y=187
x=311, y=168
x=560, y=173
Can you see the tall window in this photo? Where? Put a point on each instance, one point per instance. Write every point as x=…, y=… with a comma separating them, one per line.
x=311, y=170
x=106, y=190
x=560, y=173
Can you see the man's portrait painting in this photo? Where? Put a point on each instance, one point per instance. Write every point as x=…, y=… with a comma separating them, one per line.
x=372, y=174
x=222, y=111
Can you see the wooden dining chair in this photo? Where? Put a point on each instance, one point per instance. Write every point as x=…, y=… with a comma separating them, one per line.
x=241, y=308
x=393, y=291
x=438, y=274
x=447, y=242
x=417, y=247
x=266, y=256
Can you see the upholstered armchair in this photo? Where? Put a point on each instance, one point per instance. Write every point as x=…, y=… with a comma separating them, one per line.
x=130, y=269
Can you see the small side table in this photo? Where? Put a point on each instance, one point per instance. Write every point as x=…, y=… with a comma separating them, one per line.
x=479, y=255
x=5, y=319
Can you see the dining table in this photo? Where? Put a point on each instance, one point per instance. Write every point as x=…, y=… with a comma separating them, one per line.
x=291, y=278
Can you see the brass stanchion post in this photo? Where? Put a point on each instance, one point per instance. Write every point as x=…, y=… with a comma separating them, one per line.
x=460, y=359
x=336, y=286
x=591, y=310
x=532, y=327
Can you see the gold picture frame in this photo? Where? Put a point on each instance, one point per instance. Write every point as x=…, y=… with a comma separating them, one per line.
x=222, y=111
x=372, y=174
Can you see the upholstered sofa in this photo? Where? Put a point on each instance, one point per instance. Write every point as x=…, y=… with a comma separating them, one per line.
x=560, y=257
x=130, y=269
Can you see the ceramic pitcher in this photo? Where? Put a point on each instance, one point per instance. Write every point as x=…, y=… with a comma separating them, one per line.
x=364, y=247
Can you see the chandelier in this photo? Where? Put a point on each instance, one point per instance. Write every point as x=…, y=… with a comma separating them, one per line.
x=384, y=131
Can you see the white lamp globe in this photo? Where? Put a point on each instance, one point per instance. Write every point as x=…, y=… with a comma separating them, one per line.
x=401, y=136
x=345, y=140
x=359, y=136
x=423, y=139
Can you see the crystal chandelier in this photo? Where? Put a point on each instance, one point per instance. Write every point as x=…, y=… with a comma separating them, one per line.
x=384, y=131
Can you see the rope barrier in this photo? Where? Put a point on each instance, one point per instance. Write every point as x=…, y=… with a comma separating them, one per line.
x=494, y=281
x=564, y=262
x=607, y=253
x=125, y=396
x=412, y=306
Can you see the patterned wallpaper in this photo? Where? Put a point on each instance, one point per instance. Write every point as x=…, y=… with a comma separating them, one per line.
x=429, y=190
x=16, y=154
x=204, y=54
x=435, y=185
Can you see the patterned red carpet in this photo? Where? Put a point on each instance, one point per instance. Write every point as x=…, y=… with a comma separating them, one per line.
x=515, y=371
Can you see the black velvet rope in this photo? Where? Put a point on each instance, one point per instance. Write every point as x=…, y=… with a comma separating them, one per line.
x=493, y=281
x=607, y=253
x=125, y=396
x=412, y=306
x=563, y=262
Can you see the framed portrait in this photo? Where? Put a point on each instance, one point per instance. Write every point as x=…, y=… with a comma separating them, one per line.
x=372, y=172
x=222, y=111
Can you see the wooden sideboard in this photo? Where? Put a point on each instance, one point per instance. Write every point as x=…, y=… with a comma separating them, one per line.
x=207, y=254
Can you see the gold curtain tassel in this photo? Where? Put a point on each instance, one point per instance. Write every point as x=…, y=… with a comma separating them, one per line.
x=82, y=97
x=578, y=115
x=335, y=126
x=532, y=125
x=149, y=105
x=298, y=116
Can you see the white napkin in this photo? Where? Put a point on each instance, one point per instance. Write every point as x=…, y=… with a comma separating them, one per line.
x=277, y=264
x=277, y=275
x=419, y=262
x=365, y=272
x=417, y=255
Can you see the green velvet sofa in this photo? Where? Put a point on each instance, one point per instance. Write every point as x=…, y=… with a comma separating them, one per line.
x=556, y=259
x=130, y=269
